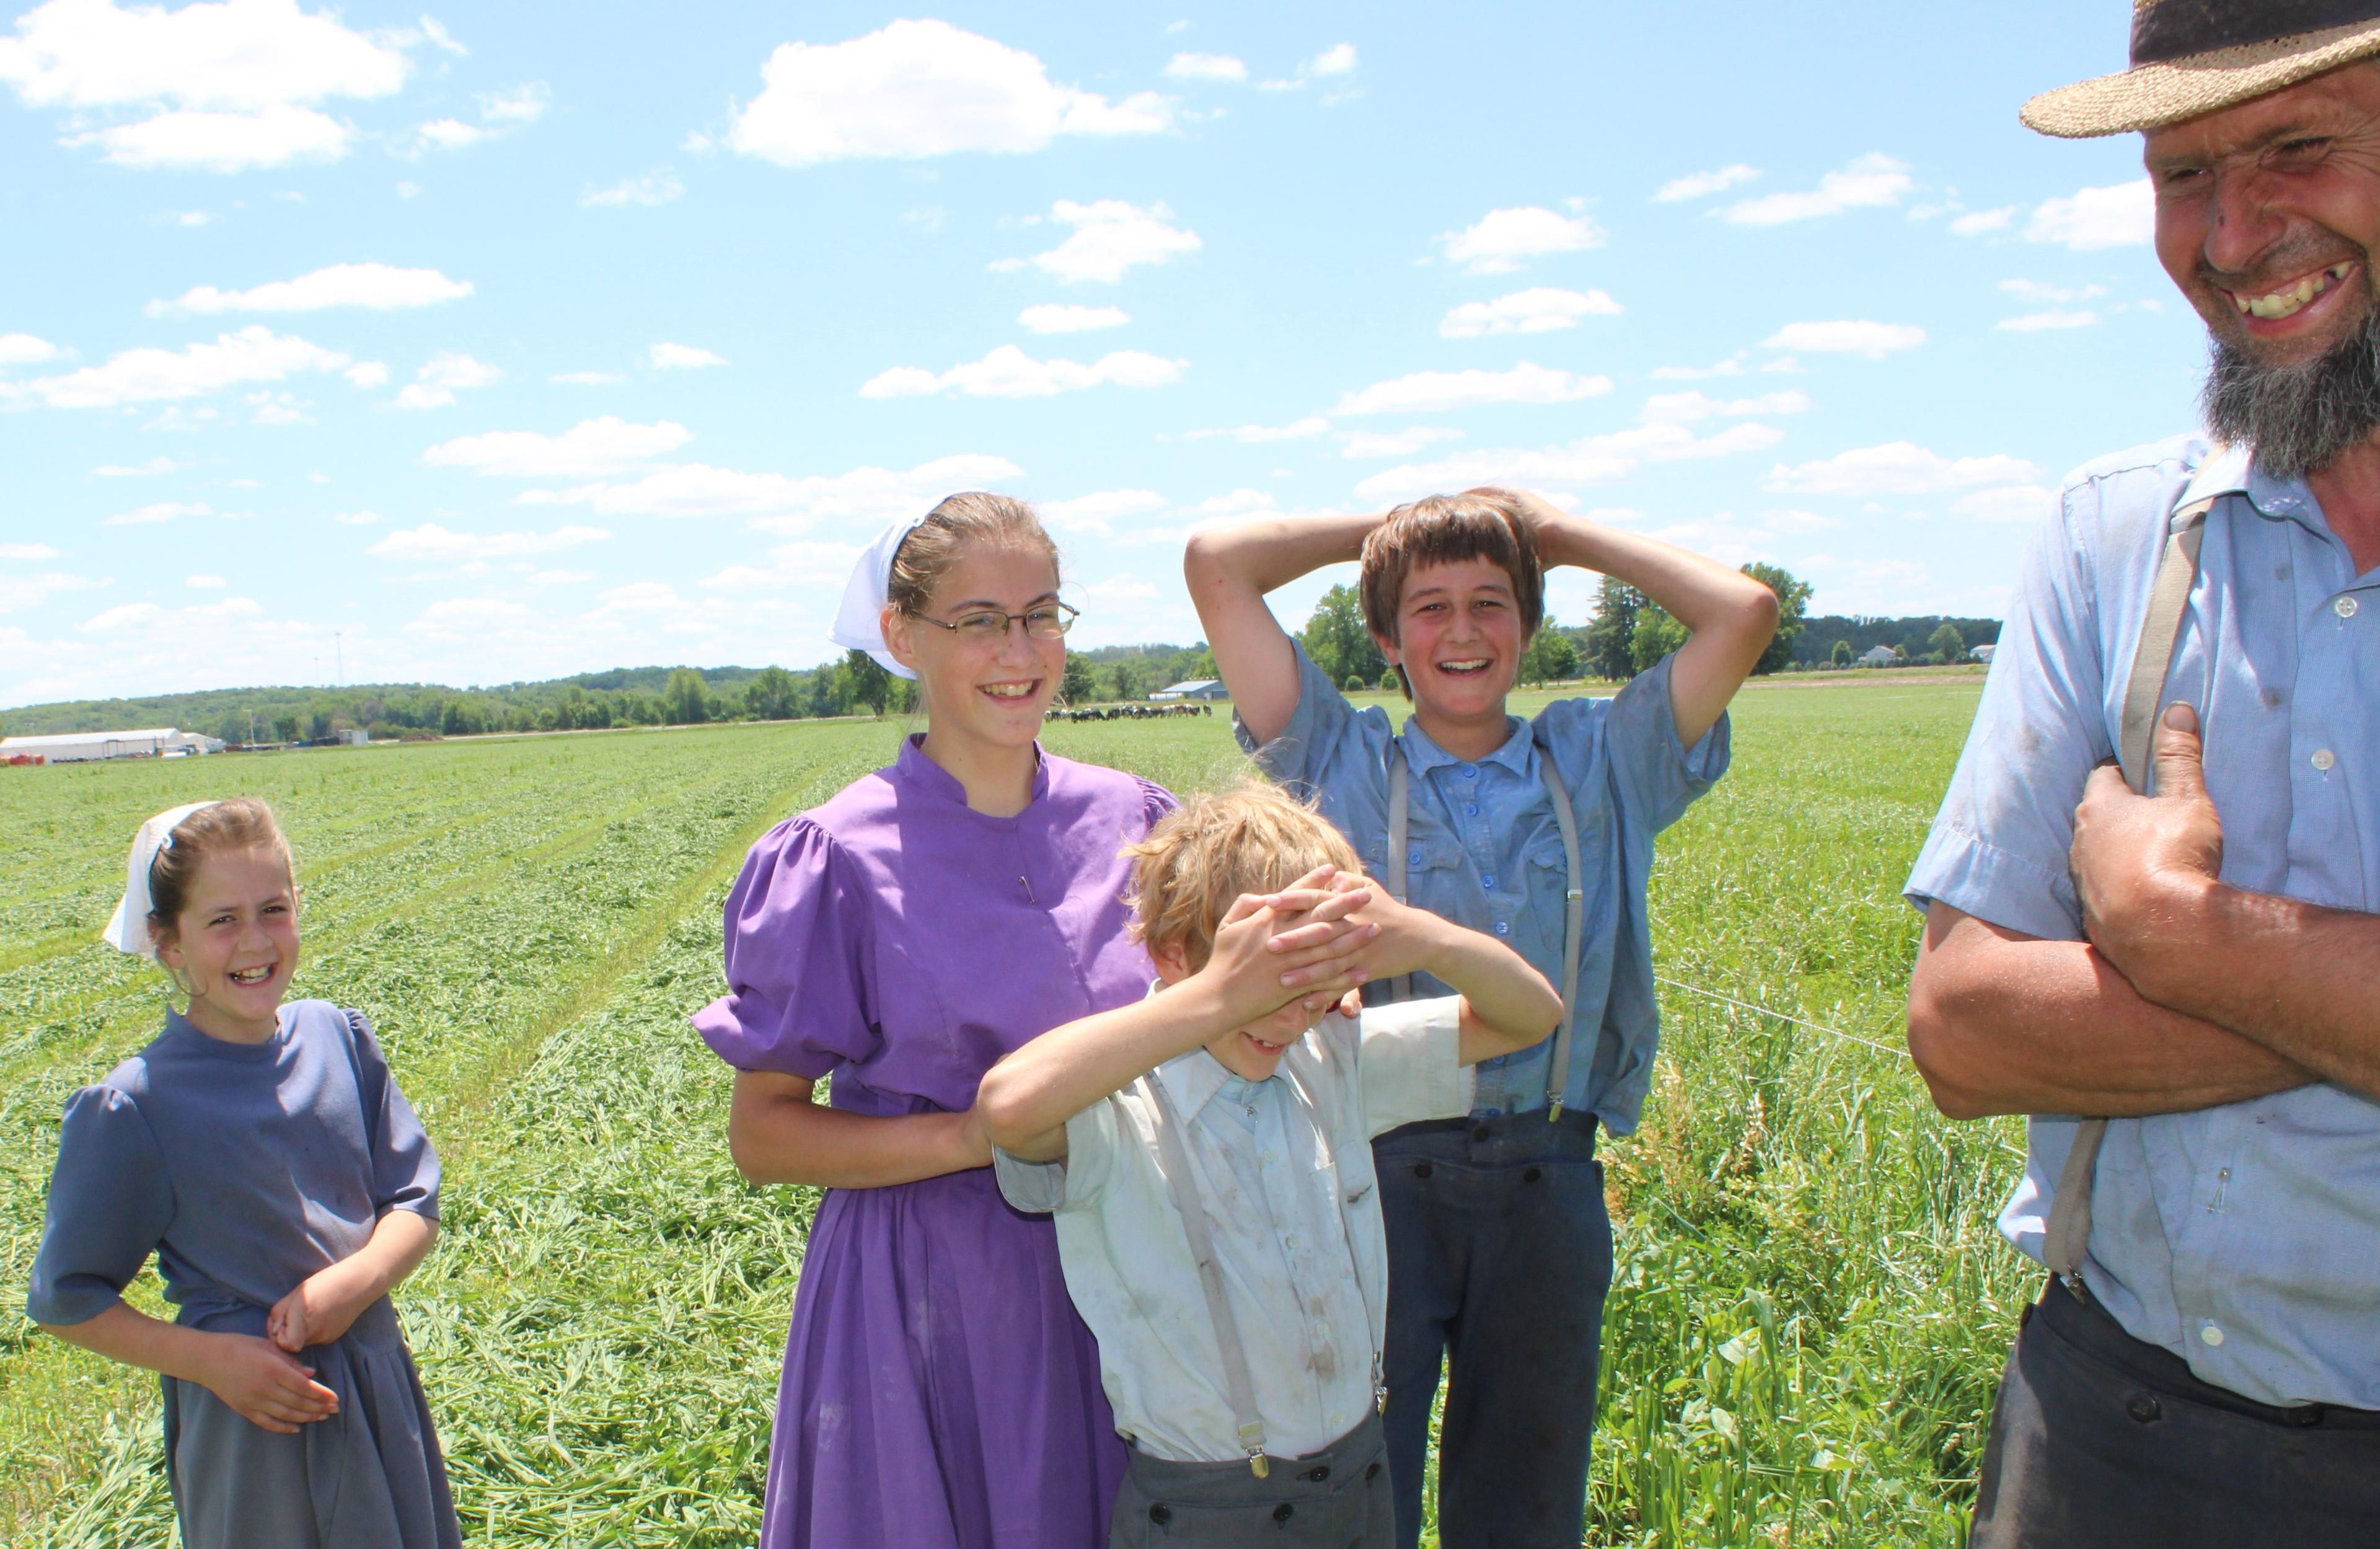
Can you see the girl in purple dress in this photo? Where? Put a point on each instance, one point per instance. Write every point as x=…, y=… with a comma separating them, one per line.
x=939, y=1391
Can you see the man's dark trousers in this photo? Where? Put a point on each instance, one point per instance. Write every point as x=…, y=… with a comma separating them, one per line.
x=1499, y=1258
x=2099, y=1438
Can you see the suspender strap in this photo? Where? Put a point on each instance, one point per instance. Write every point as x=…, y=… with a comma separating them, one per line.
x=2067, y=1240
x=1372, y=1314
x=1573, y=901
x=1176, y=1157
x=1574, y=933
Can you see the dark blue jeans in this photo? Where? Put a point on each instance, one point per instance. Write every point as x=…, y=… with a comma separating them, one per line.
x=1499, y=1258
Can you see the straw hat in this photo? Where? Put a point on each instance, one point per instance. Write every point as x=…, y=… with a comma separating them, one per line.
x=2196, y=56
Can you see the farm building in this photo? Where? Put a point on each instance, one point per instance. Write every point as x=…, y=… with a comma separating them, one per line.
x=1878, y=656
x=79, y=747
x=1196, y=689
x=1981, y=654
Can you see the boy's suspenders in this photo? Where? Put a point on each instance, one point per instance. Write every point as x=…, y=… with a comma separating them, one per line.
x=1574, y=902
x=1174, y=1155
x=2067, y=1241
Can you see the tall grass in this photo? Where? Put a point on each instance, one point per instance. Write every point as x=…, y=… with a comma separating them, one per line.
x=1810, y=1306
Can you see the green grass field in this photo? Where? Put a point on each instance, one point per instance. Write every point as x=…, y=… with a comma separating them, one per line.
x=1811, y=1306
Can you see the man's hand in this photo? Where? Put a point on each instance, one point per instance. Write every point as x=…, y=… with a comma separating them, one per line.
x=2143, y=866
x=263, y=1384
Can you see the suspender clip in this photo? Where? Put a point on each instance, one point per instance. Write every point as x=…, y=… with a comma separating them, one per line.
x=1257, y=1463
x=1553, y=1111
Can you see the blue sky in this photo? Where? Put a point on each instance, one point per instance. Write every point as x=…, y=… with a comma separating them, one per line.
x=511, y=341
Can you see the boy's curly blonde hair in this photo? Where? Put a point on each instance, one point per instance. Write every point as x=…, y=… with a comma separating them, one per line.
x=1204, y=855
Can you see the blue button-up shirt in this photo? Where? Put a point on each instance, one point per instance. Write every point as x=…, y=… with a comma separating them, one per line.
x=2244, y=1238
x=1485, y=851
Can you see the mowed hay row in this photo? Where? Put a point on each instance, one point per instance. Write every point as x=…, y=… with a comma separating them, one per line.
x=1810, y=1309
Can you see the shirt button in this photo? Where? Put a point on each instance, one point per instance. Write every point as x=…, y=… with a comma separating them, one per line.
x=1487, y=882
x=1413, y=859
x=1471, y=810
x=2324, y=759
x=1471, y=773
x=2344, y=607
x=2209, y=1334
x=1503, y=929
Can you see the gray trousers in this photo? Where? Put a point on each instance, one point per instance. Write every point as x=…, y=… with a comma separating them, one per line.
x=1499, y=1258
x=1337, y=1498
x=2099, y=1438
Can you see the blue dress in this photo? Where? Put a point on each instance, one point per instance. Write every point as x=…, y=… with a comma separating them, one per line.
x=246, y=1168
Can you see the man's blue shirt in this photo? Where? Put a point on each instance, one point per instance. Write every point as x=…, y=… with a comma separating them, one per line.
x=2244, y=1238
x=1484, y=850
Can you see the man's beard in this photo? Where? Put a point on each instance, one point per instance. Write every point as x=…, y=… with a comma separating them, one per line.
x=2301, y=419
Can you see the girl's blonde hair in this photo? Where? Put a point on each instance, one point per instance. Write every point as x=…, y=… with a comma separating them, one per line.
x=934, y=544
x=1202, y=856
x=241, y=823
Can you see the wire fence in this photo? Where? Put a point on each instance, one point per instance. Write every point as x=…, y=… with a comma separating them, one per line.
x=1782, y=1016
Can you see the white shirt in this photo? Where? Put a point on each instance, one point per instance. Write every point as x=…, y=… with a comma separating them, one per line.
x=1291, y=1255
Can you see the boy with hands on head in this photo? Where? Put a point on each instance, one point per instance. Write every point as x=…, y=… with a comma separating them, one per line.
x=1207, y=1153
x=1539, y=833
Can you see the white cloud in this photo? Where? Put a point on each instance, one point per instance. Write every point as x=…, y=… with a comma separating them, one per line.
x=1054, y=317
x=27, y=552
x=1109, y=236
x=586, y=379
x=2040, y=293
x=1440, y=392
x=1702, y=185
x=356, y=519
x=1009, y=372
x=1875, y=340
x=188, y=140
x=444, y=374
x=500, y=114
x=273, y=409
x=780, y=503
x=1502, y=240
x=802, y=563
x=376, y=286
x=431, y=544
x=368, y=374
x=148, y=470
x=2011, y=504
x=157, y=511
x=525, y=103
x=1373, y=444
x=440, y=37
x=1898, y=468
x=26, y=592
x=1685, y=408
x=254, y=354
x=1338, y=59
x=1594, y=459
x=1096, y=514
x=2034, y=322
x=1535, y=311
x=670, y=357
x=447, y=134
x=1732, y=366
x=24, y=349
x=1259, y=435
x=206, y=583
x=921, y=87
x=1975, y=223
x=589, y=449
x=1870, y=180
x=1206, y=67
x=2122, y=214
x=654, y=187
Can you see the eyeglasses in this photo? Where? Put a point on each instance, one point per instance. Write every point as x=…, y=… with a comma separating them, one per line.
x=1049, y=622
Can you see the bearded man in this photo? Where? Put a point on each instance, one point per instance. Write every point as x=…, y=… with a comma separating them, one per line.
x=2194, y=975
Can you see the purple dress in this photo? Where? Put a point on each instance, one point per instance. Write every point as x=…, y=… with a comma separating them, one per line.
x=939, y=1391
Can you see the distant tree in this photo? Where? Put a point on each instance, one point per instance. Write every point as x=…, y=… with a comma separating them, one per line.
x=1124, y=680
x=1657, y=634
x=686, y=700
x=1551, y=656
x=1335, y=638
x=1201, y=667
x=770, y=696
x=870, y=684
x=1841, y=656
x=1077, y=687
x=1356, y=684
x=285, y=728
x=1792, y=601
x=1610, y=649
x=1948, y=645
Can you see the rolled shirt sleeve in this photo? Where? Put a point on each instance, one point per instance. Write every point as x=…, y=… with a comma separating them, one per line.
x=404, y=1163
x=1308, y=753
x=1409, y=1063
x=110, y=1204
x=1080, y=1180
x=1657, y=774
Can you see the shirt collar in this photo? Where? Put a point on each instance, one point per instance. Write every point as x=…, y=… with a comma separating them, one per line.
x=2232, y=470
x=1191, y=1080
x=914, y=766
x=1516, y=754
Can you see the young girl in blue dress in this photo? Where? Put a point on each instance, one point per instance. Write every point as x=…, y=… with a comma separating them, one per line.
x=263, y=1152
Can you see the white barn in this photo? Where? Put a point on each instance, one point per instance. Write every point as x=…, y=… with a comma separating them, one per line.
x=1195, y=688
x=80, y=746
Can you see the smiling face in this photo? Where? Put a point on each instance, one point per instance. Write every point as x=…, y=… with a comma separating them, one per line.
x=2267, y=214
x=991, y=692
x=235, y=943
x=1251, y=1053
x=1459, y=640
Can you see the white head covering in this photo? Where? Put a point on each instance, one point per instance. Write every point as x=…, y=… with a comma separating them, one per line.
x=128, y=929
x=860, y=623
